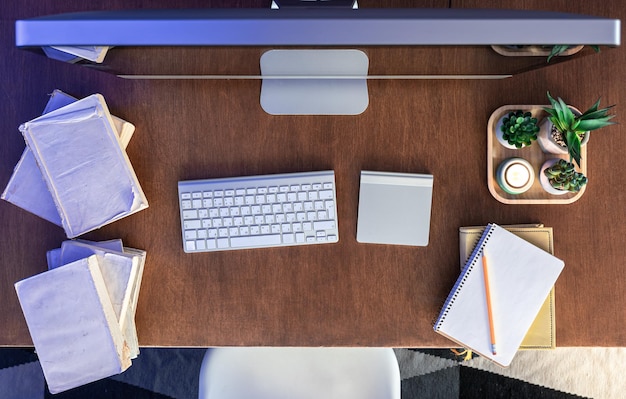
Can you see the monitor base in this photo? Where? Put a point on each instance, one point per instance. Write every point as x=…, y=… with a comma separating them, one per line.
x=314, y=82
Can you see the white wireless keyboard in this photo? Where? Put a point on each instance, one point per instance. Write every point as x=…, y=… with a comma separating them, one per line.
x=258, y=211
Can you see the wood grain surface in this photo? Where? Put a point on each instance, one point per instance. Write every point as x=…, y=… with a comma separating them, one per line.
x=344, y=294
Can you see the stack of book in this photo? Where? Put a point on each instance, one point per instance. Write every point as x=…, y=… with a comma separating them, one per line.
x=542, y=333
x=81, y=312
x=491, y=311
x=73, y=54
x=74, y=171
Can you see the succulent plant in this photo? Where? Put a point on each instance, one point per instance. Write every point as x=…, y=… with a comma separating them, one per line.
x=519, y=128
x=563, y=176
x=559, y=49
x=572, y=126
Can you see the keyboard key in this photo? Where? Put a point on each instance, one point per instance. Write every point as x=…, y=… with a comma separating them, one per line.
x=326, y=194
x=192, y=224
x=324, y=225
x=190, y=214
x=256, y=241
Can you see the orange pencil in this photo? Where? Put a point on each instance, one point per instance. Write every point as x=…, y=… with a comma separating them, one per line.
x=489, y=308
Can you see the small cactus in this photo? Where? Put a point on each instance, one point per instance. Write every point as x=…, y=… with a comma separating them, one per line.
x=563, y=176
x=519, y=128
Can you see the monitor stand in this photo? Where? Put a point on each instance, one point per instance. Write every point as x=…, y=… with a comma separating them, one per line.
x=314, y=82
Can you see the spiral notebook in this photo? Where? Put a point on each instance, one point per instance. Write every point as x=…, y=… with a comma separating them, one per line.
x=521, y=276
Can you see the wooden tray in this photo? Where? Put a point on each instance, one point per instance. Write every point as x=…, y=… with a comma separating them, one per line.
x=533, y=51
x=496, y=153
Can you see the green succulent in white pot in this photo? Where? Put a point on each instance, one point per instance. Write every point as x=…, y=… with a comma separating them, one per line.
x=558, y=176
x=565, y=129
x=517, y=129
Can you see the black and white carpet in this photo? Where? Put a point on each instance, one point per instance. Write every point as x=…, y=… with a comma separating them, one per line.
x=159, y=373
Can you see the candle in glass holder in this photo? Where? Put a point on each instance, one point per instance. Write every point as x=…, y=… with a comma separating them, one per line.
x=515, y=175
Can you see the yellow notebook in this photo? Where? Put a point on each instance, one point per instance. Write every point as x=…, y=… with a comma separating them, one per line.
x=542, y=333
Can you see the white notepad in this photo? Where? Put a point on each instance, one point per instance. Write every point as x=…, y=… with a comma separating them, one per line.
x=73, y=325
x=87, y=172
x=521, y=276
x=394, y=208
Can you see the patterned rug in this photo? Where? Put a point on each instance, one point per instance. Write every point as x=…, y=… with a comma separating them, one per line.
x=159, y=373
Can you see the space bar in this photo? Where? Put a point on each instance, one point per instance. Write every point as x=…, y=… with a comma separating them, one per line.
x=255, y=241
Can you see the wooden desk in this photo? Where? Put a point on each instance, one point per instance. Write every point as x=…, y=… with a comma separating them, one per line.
x=347, y=294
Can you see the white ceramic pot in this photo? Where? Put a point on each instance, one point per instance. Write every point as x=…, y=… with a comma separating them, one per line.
x=499, y=135
x=515, y=175
x=543, y=179
x=547, y=142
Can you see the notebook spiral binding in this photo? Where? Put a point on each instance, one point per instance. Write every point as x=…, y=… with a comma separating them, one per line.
x=467, y=269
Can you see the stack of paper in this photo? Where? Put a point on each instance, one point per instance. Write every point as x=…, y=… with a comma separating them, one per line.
x=72, y=54
x=27, y=188
x=88, y=178
x=81, y=313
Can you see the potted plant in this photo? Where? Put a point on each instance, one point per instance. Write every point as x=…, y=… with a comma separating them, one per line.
x=559, y=176
x=563, y=49
x=537, y=50
x=517, y=129
x=565, y=130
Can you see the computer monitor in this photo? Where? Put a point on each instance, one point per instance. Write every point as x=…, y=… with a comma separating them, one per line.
x=415, y=43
